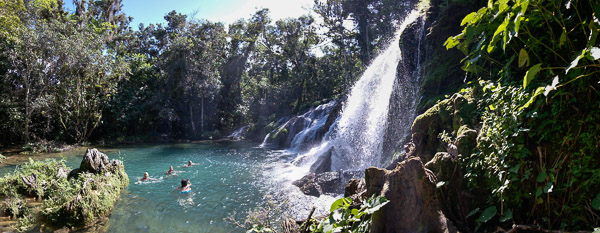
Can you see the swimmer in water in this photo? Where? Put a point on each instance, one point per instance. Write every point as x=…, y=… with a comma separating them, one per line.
x=171, y=171
x=146, y=178
x=189, y=164
x=185, y=186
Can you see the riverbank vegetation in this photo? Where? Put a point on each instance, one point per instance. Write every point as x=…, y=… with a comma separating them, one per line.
x=49, y=194
x=533, y=67
x=87, y=75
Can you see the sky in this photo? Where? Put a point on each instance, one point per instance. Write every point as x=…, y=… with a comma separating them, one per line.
x=226, y=11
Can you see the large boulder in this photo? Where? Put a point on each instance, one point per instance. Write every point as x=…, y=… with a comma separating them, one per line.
x=323, y=163
x=414, y=204
x=308, y=186
x=316, y=184
x=93, y=161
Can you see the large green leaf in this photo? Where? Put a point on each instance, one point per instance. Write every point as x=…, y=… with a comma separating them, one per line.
x=523, y=58
x=339, y=203
x=537, y=92
x=541, y=177
x=473, y=212
x=524, y=5
x=531, y=74
x=563, y=38
x=374, y=204
x=451, y=42
x=488, y=214
x=507, y=216
x=468, y=18
x=501, y=29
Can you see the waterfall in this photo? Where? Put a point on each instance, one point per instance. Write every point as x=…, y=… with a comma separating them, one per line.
x=356, y=140
x=239, y=133
x=303, y=130
x=374, y=121
x=315, y=119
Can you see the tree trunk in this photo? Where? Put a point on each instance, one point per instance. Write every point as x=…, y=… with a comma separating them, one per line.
x=192, y=119
x=202, y=114
x=27, y=112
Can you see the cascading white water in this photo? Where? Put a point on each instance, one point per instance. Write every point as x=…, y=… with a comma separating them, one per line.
x=315, y=119
x=239, y=133
x=357, y=138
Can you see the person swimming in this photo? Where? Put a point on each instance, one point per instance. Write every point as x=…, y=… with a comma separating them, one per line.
x=189, y=164
x=171, y=171
x=185, y=186
x=146, y=178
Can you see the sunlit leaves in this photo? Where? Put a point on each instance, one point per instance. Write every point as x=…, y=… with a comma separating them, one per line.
x=563, y=38
x=344, y=218
x=523, y=58
x=531, y=73
x=555, y=45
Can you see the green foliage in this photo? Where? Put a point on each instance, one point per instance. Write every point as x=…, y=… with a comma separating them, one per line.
x=260, y=219
x=71, y=202
x=74, y=77
x=535, y=154
x=345, y=218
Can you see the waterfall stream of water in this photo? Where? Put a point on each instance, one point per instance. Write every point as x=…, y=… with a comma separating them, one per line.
x=356, y=139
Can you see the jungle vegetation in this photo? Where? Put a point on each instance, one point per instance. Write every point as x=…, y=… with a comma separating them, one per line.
x=88, y=75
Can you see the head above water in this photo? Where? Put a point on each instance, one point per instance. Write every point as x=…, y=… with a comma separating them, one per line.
x=184, y=182
x=190, y=162
x=171, y=168
x=145, y=175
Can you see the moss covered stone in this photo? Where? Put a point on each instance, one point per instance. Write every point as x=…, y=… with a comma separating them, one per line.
x=449, y=116
x=78, y=201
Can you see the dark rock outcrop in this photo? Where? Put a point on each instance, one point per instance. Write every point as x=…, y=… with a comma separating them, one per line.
x=93, y=161
x=308, y=186
x=354, y=186
x=316, y=184
x=456, y=118
x=414, y=205
x=323, y=163
x=357, y=191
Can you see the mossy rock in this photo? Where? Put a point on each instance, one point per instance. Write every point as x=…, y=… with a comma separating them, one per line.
x=443, y=166
x=466, y=140
x=280, y=136
x=448, y=115
x=73, y=202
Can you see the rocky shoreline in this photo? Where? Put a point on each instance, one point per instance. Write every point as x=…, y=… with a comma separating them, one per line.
x=50, y=196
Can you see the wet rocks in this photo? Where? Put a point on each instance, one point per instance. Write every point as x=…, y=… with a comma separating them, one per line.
x=316, y=184
x=414, y=204
x=323, y=163
x=356, y=189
